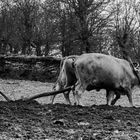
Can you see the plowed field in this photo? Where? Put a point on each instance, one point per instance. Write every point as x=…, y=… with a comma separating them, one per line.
x=39, y=120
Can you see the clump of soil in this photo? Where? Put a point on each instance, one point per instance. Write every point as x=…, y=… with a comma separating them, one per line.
x=31, y=120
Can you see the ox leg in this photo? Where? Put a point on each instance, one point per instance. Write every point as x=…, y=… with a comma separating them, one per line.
x=74, y=95
x=56, y=86
x=109, y=96
x=78, y=97
x=66, y=95
x=52, y=99
x=79, y=90
x=116, y=98
x=129, y=95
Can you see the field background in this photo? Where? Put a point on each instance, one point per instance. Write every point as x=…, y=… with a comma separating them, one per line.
x=17, y=89
x=42, y=121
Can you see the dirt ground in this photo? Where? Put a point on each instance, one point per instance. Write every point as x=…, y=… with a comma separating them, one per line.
x=39, y=120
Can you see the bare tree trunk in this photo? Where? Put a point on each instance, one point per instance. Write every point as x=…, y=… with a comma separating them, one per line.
x=24, y=48
x=47, y=48
x=38, y=50
x=87, y=45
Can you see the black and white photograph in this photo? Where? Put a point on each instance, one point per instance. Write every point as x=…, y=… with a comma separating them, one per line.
x=69, y=69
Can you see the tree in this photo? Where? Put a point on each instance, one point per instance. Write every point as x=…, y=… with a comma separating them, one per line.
x=89, y=19
x=67, y=28
x=6, y=26
x=49, y=25
x=27, y=10
x=125, y=27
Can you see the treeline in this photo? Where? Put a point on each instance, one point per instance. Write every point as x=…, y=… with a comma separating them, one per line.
x=72, y=26
x=30, y=68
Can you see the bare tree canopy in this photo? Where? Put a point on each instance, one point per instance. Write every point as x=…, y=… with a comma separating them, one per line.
x=66, y=27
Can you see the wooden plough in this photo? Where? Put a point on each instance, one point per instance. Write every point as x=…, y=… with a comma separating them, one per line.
x=32, y=60
x=45, y=94
x=6, y=98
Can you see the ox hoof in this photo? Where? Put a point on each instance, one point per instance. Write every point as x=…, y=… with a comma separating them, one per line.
x=107, y=105
x=113, y=102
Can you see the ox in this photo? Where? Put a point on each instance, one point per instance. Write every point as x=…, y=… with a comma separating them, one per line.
x=100, y=71
x=66, y=77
